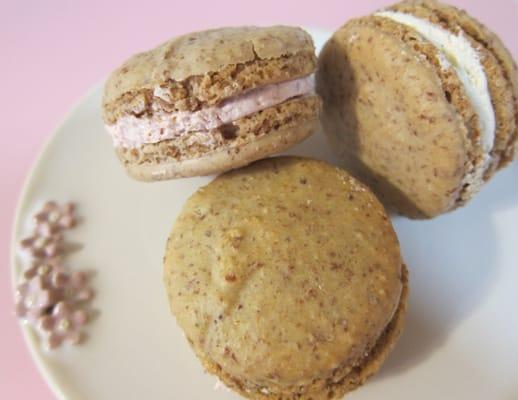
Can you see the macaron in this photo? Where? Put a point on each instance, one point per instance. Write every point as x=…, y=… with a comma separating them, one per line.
x=421, y=103
x=287, y=279
x=210, y=101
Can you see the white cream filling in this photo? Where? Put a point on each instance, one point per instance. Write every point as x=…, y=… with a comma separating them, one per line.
x=457, y=53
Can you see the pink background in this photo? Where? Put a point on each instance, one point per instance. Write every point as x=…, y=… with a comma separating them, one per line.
x=55, y=50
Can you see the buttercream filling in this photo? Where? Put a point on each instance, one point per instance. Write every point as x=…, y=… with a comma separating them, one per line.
x=457, y=52
x=130, y=131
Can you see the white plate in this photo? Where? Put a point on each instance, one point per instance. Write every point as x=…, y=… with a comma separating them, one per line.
x=461, y=339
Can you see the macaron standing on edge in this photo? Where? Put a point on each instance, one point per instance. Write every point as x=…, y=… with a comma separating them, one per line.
x=210, y=101
x=287, y=279
x=421, y=102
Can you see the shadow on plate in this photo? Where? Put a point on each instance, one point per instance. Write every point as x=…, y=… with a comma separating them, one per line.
x=453, y=263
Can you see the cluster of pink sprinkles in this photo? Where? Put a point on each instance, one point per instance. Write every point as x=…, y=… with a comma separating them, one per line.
x=51, y=298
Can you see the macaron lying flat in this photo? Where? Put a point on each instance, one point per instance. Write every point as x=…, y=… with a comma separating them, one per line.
x=210, y=101
x=287, y=279
x=421, y=101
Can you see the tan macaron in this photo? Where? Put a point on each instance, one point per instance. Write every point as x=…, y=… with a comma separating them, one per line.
x=287, y=279
x=211, y=101
x=421, y=101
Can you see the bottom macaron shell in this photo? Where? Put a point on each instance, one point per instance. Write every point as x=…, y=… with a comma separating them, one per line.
x=326, y=389
x=387, y=116
x=277, y=140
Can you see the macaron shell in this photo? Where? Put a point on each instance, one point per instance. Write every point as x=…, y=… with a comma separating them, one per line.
x=386, y=113
x=498, y=85
x=270, y=131
x=199, y=53
x=282, y=272
x=493, y=43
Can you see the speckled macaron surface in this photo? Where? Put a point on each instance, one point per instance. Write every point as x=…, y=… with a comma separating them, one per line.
x=287, y=279
x=213, y=100
x=420, y=100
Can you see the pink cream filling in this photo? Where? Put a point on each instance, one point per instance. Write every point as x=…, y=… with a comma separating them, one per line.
x=130, y=131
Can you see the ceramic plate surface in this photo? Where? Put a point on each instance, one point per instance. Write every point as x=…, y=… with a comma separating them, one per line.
x=461, y=339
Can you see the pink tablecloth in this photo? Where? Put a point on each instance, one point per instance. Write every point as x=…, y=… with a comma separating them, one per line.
x=53, y=51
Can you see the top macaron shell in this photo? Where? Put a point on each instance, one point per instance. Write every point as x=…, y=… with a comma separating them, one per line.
x=404, y=145
x=284, y=273
x=204, y=52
